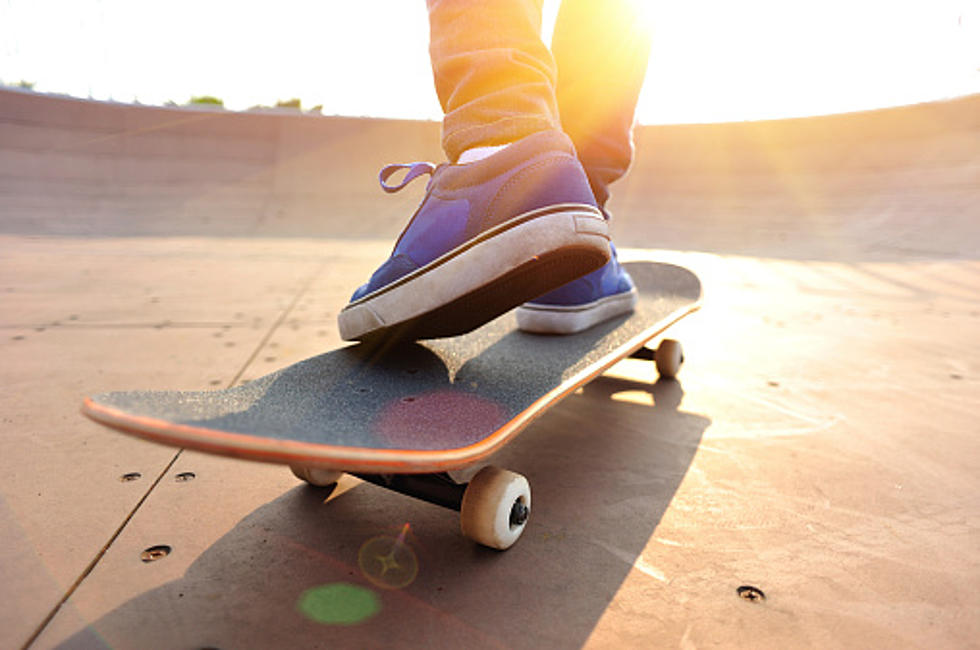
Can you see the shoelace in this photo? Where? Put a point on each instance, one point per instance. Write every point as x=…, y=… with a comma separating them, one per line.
x=415, y=170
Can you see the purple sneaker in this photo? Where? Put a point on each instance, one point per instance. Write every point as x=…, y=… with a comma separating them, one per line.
x=488, y=236
x=603, y=294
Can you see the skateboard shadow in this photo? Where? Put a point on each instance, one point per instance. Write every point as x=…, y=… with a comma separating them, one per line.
x=604, y=465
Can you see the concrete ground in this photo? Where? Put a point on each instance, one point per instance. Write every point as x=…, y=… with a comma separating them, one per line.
x=820, y=445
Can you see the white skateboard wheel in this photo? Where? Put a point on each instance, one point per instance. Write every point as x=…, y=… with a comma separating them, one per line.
x=316, y=475
x=669, y=357
x=495, y=507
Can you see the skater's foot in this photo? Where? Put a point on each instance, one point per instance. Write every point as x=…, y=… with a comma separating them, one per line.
x=488, y=236
x=582, y=303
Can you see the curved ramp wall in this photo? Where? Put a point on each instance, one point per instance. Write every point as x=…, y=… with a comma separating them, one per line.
x=78, y=167
x=880, y=184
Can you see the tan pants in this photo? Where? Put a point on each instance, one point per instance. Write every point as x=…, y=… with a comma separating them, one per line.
x=497, y=81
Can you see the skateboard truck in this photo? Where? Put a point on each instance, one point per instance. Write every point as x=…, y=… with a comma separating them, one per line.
x=494, y=505
x=439, y=489
x=669, y=356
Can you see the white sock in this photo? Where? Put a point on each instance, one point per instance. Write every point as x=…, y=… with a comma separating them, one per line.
x=479, y=153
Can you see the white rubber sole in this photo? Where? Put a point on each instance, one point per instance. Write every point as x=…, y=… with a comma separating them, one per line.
x=559, y=319
x=485, y=277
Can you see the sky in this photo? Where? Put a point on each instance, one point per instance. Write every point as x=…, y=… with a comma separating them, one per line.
x=712, y=60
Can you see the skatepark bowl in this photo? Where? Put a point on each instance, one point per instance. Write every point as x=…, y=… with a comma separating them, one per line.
x=809, y=480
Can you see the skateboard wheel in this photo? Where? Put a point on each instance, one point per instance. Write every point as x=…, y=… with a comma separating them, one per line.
x=495, y=507
x=316, y=475
x=669, y=357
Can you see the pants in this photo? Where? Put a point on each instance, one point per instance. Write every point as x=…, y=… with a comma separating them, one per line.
x=497, y=81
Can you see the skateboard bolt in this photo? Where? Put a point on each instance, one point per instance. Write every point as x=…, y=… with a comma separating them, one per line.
x=519, y=513
x=155, y=553
x=751, y=594
x=131, y=476
x=183, y=477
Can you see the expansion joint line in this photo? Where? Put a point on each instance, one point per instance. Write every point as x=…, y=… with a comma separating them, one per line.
x=146, y=495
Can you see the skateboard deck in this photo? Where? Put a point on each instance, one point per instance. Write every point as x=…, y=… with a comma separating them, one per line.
x=417, y=418
x=402, y=409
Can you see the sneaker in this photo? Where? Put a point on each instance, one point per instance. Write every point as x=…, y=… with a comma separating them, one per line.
x=603, y=294
x=488, y=236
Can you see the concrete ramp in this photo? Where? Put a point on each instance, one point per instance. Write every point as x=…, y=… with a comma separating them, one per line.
x=879, y=184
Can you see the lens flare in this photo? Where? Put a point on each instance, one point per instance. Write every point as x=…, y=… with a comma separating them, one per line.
x=388, y=562
x=339, y=603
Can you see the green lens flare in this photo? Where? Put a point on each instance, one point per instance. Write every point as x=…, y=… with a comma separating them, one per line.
x=339, y=603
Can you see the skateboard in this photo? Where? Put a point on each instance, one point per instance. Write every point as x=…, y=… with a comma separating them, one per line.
x=423, y=419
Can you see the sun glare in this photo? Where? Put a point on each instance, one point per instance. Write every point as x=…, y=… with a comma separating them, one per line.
x=711, y=60
x=716, y=60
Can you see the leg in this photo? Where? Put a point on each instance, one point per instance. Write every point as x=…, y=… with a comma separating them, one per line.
x=494, y=76
x=601, y=49
x=492, y=231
